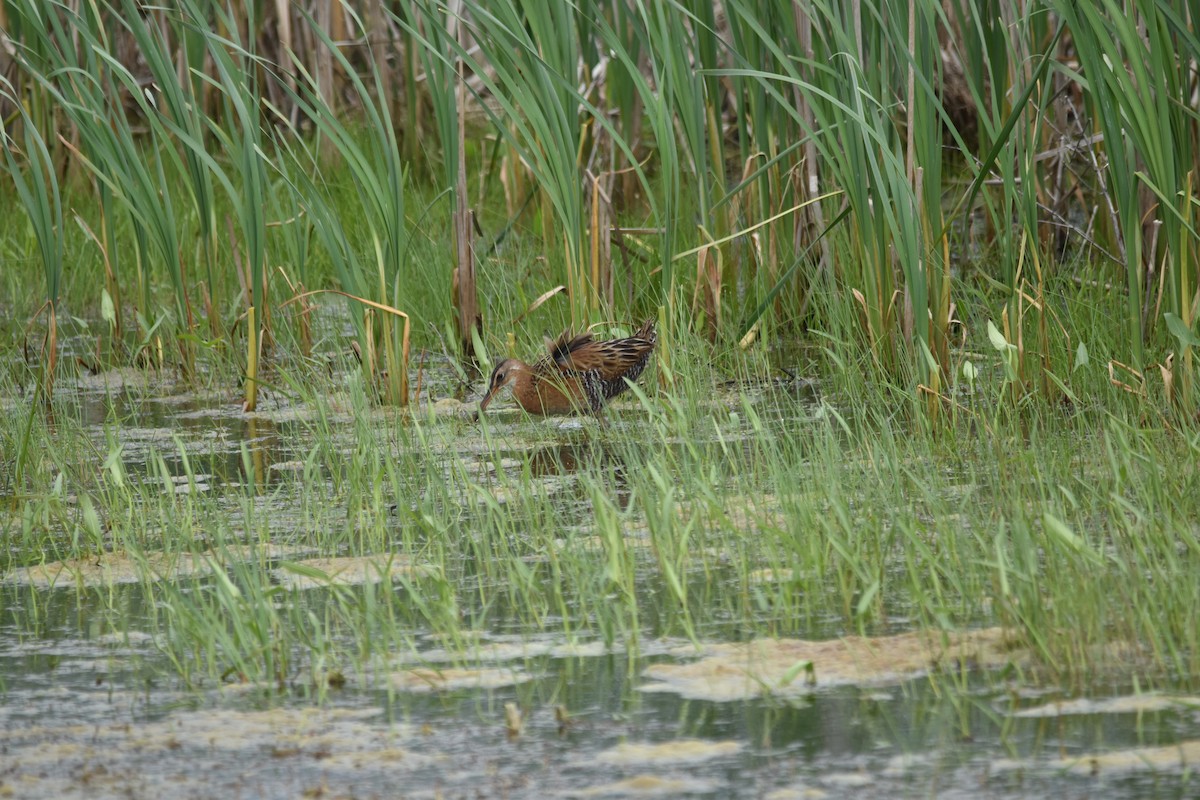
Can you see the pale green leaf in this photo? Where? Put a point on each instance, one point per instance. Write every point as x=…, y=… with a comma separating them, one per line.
x=107, y=312
x=1181, y=331
x=1081, y=356
x=969, y=372
x=1059, y=530
x=997, y=338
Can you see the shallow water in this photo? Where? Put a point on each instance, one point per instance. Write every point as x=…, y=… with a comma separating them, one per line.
x=87, y=714
x=93, y=707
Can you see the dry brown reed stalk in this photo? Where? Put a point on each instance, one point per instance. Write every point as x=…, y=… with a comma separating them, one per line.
x=600, y=233
x=465, y=297
x=303, y=315
x=706, y=297
x=380, y=40
x=536, y=304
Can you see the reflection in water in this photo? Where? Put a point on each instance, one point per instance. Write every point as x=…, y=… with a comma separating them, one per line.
x=208, y=432
x=76, y=697
x=259, y=443
x=586, y=455
x=569, y=457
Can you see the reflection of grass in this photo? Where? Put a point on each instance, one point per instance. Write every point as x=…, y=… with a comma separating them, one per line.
x=701, y=514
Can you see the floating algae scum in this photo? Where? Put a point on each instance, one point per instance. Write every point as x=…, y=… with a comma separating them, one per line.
x=906, y=502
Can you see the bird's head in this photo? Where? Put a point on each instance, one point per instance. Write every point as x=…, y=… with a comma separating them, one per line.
x=505, y=373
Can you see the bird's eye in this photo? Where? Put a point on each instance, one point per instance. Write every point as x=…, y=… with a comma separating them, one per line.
x=499, y=377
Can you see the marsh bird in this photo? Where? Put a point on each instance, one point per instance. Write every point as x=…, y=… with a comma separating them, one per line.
x=579, y=373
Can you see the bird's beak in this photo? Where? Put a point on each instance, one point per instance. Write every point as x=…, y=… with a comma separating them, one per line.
x=483, y=404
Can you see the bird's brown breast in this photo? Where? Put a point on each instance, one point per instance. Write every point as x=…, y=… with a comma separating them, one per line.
x=548, y=395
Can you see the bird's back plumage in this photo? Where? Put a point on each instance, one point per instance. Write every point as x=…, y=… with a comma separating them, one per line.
x=579, y=370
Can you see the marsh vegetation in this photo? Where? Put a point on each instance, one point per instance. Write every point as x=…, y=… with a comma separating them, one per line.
x=906, y=500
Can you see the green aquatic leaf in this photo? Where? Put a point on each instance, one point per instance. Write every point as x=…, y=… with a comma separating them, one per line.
x=1181, y=331
x=108, y=312
x=997, y=338
x=1081, y=357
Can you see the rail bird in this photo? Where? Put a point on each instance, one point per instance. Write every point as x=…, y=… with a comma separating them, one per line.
x=578, y=373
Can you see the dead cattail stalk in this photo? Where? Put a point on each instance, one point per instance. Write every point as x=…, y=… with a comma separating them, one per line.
x=708, y=288
x=463, y=283
x=379, y=31
x=810, y=222
x=324, y=69
x=601, y=240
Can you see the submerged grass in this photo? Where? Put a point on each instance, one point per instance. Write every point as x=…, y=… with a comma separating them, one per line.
x=763, y=509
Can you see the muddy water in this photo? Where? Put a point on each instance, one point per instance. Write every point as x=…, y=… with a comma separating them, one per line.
x=92, y=708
